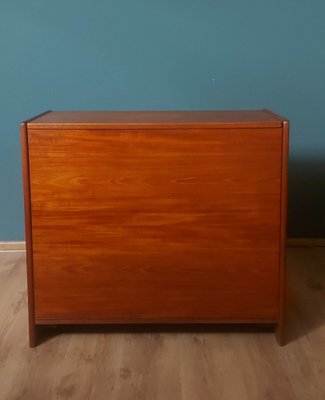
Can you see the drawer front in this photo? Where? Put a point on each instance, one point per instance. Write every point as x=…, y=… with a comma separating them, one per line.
x=155, y=225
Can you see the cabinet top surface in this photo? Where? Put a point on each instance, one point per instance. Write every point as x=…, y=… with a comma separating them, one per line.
x=155, y=119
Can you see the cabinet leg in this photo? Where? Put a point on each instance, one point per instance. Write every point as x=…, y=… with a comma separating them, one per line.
x=33, y=335
x=280, y=333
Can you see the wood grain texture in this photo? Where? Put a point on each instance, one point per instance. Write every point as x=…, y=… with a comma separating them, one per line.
x=173, y=225
x=28, y=228
x=220, y=362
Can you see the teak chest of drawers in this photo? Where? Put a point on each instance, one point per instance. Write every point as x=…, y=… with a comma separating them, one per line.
x=155, y=217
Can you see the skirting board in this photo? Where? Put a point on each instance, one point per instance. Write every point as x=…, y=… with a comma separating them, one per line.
x=306, y=242
x=291, y=242
x=12, y=246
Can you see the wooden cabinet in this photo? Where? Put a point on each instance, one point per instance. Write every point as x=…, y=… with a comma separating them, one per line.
x=137, y=217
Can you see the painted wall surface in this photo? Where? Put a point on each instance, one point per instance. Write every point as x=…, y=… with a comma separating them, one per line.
x=171, y=54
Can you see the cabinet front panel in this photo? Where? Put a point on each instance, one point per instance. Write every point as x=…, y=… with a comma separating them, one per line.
x=155, y=225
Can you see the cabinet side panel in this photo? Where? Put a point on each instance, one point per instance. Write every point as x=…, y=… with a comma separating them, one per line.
x=28, y=234
x=280, y=332
x=160, y=225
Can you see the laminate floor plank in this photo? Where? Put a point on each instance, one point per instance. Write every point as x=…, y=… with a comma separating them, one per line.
x=222, y=362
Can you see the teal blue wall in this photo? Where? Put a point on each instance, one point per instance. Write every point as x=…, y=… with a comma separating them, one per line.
x=171, y=54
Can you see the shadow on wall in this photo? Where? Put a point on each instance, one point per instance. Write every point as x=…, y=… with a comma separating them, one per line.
x=306, y=198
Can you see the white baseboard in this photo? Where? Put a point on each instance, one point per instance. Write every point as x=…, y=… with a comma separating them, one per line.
x=12, y=246
x=306, y=242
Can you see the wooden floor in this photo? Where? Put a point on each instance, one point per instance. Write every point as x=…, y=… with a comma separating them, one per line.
x=224, y=363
